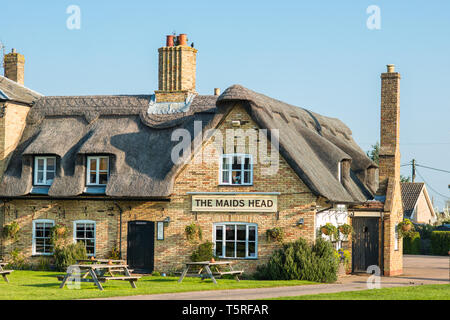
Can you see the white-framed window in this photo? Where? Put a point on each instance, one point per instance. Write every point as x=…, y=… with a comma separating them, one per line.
x=236, y=240
x=97, y=170
x=44, y=170
x=236, y=169
x=41, y=237
x=84, y=231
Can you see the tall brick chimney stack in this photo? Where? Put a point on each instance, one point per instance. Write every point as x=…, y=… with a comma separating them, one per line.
x=177, y=66
x=390, y=127
x=14, y=65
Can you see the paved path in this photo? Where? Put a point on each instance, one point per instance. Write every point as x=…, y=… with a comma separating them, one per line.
x=417, y=270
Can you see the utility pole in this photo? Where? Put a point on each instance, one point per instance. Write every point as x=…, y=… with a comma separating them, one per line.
x=413, y=170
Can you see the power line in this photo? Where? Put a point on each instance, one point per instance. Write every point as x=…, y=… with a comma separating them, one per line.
x=446, y=197
x=432, y=168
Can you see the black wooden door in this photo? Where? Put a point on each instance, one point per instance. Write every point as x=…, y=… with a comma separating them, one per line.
x=141, y=242
x=365, y=244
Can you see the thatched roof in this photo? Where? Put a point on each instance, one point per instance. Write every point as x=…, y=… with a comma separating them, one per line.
x=140, y=143
x=12, y=91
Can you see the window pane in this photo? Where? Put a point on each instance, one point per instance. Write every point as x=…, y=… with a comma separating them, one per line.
x=247, y=177
x=236, y=177
x=237, y=163
x=247, y=163
x=229, y=232
x=225, y=177
x=225, y=163
x=252, y=249
x=219, y=233
x=241, y=230
x=47, y=230
x=103, y=178
x=104, y=164
x=219, y=247
x=50, y=164
x=40, y=165
x=50, y=177
x=93, y=163
x=251, y=233
x=240, y=250
x=92, y=178
x=229, y=249
x=40, y=177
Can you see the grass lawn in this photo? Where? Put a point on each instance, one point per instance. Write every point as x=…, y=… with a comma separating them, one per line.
x=424, y=292
x=29, y=285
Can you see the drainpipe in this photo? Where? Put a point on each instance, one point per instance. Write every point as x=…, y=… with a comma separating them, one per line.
x=120, y=229
x=382, y=242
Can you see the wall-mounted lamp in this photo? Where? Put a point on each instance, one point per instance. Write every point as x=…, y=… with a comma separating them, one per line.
x=301, y=222
x=166, y=221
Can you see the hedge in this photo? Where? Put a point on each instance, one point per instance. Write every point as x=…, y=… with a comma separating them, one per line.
x=440, y=242
x=411, y=244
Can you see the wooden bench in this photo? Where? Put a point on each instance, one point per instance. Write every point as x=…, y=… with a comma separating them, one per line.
x=5, y=274
x=130, y=278
x=235, y=273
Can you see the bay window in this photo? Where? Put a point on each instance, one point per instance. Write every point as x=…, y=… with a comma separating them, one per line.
x=236, y=240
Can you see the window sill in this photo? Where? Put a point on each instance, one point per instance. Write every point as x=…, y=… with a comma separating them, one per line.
x=226, y=258
x=235, y=185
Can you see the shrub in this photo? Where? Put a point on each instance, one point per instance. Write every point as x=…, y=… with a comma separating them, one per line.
x=300, y=261
x=425, y=230
x=68, y=255
x=411, y=243
x=275, y=234
x=58, y=234
x=440, y=242
x=11, y=231
x=18, y=261
x=43, y=264
x=156, y=274
x=204, y=252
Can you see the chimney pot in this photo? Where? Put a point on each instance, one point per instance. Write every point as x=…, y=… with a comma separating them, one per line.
x=217, y=91
x=169, y=41
x=13, y=50
x=182, y=39
x=390, y=68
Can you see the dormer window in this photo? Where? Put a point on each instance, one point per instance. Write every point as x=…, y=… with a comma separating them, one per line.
x=97, y=170
x=44, y=170
x=236, y=169
x=340, y=171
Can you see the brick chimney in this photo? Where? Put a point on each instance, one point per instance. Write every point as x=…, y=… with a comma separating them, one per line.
x=177, y=66
x=390, y=127
x=14, y=64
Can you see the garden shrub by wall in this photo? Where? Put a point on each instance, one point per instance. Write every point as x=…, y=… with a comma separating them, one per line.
x=411, y=244
x=301, y=261
x=440, y=242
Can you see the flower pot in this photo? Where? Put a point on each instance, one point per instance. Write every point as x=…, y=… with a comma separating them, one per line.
x=213, y=260
x=406, y=227
x=110, y=262
x=324, y=231
x=92, y=258
x=341, y=270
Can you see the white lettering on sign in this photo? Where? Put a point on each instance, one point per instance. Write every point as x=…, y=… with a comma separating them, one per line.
x=235, y=203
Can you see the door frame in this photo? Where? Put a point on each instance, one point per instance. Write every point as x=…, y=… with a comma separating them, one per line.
x=380, y=238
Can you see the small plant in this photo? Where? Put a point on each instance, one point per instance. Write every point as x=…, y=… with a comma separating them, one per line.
x=275, y=234
x=18, y=261
x=43, y=264
x=405, y=228
x=68, y=255
x=329, y=230
x=345, y=229
x=193, y=232
x=204, y=252
x=11, y=231
x=114, y=254
x=58, y=234
x=156, y=274
x=344, y=257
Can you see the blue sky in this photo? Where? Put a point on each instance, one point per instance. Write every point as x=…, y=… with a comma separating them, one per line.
x=314, y=54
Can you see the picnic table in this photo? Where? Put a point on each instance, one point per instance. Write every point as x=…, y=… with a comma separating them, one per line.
x=221, y=268
x=4, y=273
x=100, y=261
x=98, y=274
